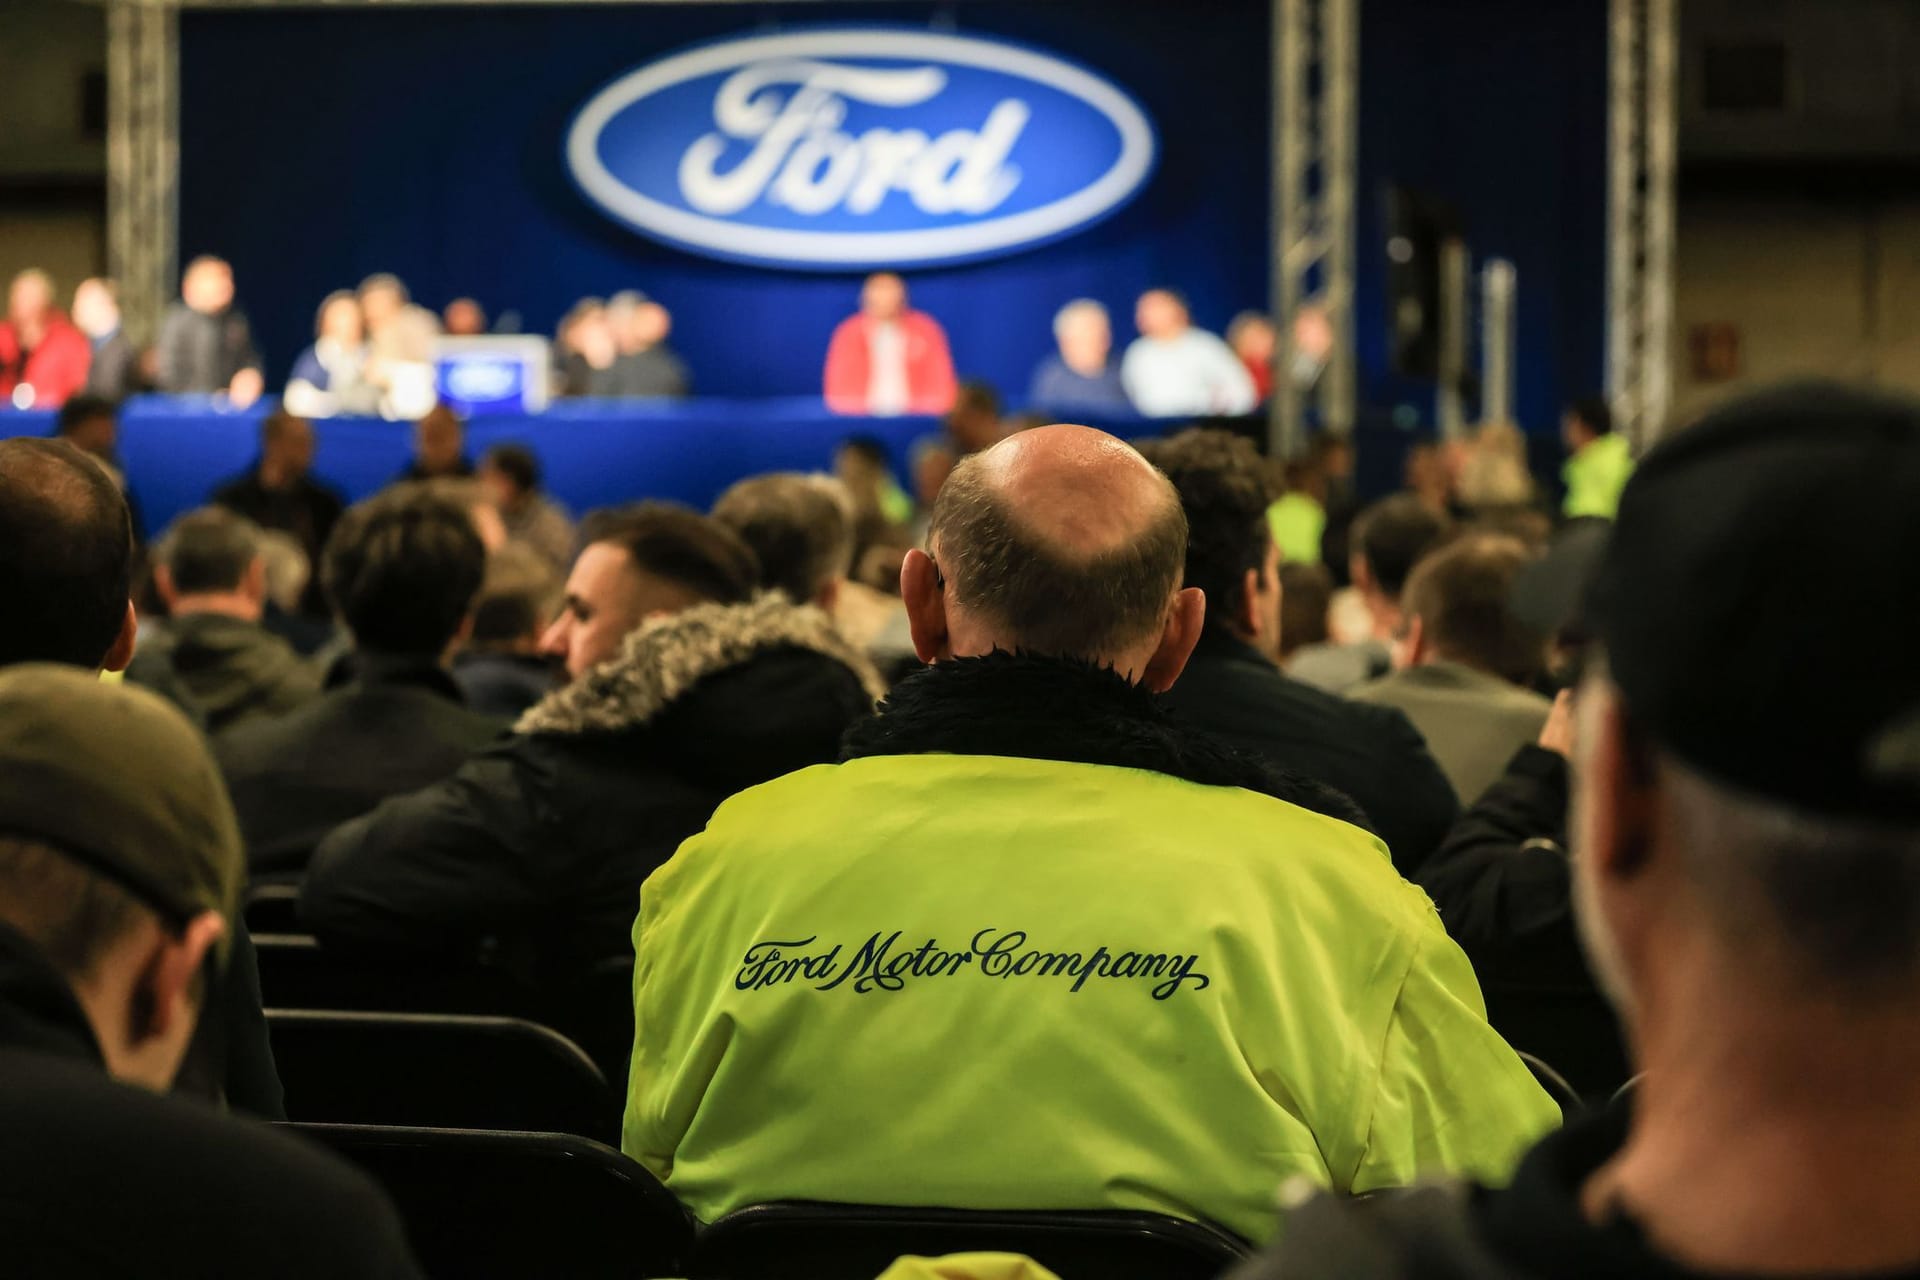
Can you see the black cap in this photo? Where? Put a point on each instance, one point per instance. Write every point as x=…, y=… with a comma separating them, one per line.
x=1550, y=593
x=1757, y=596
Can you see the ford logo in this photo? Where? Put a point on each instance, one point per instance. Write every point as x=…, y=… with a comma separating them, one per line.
x=849, y=149
x=482, y=380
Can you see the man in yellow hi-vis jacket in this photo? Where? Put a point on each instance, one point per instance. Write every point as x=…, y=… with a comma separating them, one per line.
x=1035, y=944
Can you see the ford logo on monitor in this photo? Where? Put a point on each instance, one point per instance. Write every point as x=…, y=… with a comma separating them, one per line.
x=849, y=149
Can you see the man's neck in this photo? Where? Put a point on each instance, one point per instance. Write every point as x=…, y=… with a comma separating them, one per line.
x=1771, y=1135
x=227, y=604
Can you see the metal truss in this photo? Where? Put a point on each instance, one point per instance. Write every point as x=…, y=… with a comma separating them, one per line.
x=143, y=157
x=1316, y=53
x=1642, y=90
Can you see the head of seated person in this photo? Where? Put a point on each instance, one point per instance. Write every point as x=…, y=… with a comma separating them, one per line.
x=119, y=858
x=1064, y=542
x=801, y=529
x=210, y=562
x=1457, y=608
x=1231, y=555
x=403, y=570
x=66, y=559
x=639, y=563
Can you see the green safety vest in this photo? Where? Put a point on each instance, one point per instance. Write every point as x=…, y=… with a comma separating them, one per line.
x=982, y=982
x=1596, y=475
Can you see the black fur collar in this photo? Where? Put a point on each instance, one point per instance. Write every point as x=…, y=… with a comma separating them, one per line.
x=1037, y=708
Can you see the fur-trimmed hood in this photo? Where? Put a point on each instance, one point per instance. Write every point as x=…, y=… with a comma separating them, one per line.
x=664, y=659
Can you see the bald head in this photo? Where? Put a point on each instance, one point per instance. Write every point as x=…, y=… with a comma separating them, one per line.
x=1061, y=541
x=66, y=552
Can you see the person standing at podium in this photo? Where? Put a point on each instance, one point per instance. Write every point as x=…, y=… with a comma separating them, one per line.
x=888, y=359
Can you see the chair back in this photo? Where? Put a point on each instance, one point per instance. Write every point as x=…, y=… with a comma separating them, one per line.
x=296, y=972
x=480, y=1205
x=803, y=1240
x=272, y=908
x=438, y=1071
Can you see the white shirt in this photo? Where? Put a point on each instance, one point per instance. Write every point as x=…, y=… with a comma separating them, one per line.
x=1193, y=375
x=887, y=393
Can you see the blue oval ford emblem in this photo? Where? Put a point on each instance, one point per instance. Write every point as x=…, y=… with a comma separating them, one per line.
x=849, y=149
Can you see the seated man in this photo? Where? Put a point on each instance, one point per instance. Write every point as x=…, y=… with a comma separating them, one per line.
x=209, y=572
x=120, y=873
x=800, y=532
x=500, y=670
x=1387, y=540
x=1467, y=662
x=1747, y=864
x=402, y=570
x=1233, y=686
x=1035, y=945
x=685, y=690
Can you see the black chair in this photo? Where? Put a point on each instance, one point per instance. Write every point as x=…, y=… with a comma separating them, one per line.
x=438, y=1070
x=798, y=1240
x=595, y=1011
x=479, y=1205
x=272, y=909
x=296, y=972
x=1563, y=1093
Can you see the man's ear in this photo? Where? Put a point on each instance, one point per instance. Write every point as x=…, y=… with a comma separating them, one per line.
x=1246, y=618
x=121, y=653
x=1616, y=788
x=1414, y=649
x=925, y=598
x=164, y=991
x=254, y=585
x=1182, y=632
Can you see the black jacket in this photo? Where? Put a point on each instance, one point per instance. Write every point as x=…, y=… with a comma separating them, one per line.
x=99, y=1178
x=398, y=726
x=1372, y=754
x=503, y=684
x=542, y=841
x=1504, y=888
x=306, y=509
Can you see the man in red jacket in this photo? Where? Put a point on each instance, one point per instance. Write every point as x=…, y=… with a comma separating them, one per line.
x=43, y=358
x=888, y=359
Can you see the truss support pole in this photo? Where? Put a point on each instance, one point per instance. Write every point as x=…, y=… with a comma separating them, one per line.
x=1642, y=92
x=143, y=158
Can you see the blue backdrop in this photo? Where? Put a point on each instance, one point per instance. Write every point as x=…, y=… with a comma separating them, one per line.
x=321, y=145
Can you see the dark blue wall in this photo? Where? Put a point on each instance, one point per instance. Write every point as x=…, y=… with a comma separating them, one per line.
x=319, y=146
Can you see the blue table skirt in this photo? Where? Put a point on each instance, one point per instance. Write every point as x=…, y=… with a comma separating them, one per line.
x=595, y=454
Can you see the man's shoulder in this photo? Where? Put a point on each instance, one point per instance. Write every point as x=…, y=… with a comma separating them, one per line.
x=1428, y=1233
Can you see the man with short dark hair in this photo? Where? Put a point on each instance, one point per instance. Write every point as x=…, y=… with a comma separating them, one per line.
x=66, y=559
x=280, y=492
x=1233, y=686
x=1033, y=944
x=510, y=477
x=1467, y=663
x=685, y=689
x=1746, y=863
x=1388, y=539
x=500, y=669
x=1599, y=460
x=402, y=570
x=209, y=572
x=120, y=879
x=799, y=531
x=439, y=447
x=206, y=345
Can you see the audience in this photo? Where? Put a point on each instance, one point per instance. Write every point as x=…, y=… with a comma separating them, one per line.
x=1081, y=378
x=330, y=377
x=1746, y=845
x=1494, y=480
x=210, y=574
x=92, y=425
x=1233, y=686
x=279, y=492
x=501, y=671
x=1466, y=662
x=925, y=942
x=1173, y=370
x=1389, y=538
x=1306, y=600
x=799, y=530
x=888, y=359
x=439, y=447
x=43, y=358
x=684, y=690
x=402, y=570
x=120, y=878
x=1598, y=461
x=113, y=371
x=510, y=477
x=206, y=345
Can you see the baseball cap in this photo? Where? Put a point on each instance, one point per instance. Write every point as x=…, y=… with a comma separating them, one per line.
x=1757, y=593
x=116, y=778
